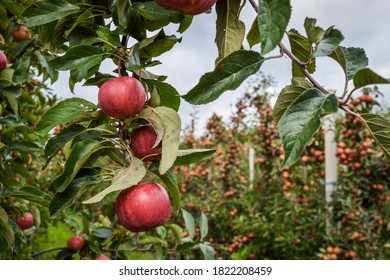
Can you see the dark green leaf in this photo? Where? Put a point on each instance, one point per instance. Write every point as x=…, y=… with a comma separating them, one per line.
x=169, y=96
x=154, y=12
x=157, y=45
x=331, y=40
x=186, y=157
x=273, y=19
x=14, y=7
x=301, y=48
x=62, y=113
x=187, y=246
x=301, y=121
x=189, y=222
x=65, y=199
x=185, y=24
x=29, y=193
x=25, y=146
x=102, y=232
x=350, y=59
x=379, y=128
x=228, y=75
x=125, y=178
x=288, y=95
x=80, y=153
x=6, y=229
x=230, y=30
x=170, y=184
x=78, y=57
x=366, y=76
x=45, y=11
x=108, y=36
x=253, y=36
x=55, y=143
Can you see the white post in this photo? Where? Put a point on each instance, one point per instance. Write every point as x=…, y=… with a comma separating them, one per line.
x=330, y=160
x=251, y=167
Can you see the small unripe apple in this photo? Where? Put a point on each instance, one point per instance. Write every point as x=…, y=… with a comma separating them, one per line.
x=187, y=7
x=143, y=139
x=25, y=222
x=75, y=243
x=3, y=61
x=21, y=34
x=143, y=207
x=122, y=97
x=102, y=257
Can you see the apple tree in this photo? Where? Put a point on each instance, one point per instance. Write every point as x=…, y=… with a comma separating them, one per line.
x=102, y=155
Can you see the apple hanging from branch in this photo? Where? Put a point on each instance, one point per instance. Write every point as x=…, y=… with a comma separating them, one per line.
x=143, y=207
x=26, y=221
x=143, y=139
x=3, y=61
x=187, y=7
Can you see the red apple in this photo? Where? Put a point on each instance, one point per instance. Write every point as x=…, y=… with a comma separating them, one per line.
x=3, y=61
x=122, y=97
x=102, y=257
x=20, y=34
x=75, y=243
x=143, y=207
x=187, y=7
x=143, y=139
x=25, y=222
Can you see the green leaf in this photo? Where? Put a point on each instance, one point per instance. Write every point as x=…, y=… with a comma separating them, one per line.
x=379, y=128
x=6, y=229
x=109, y=37
x=85, y=16
x=288, y=95
x=229, y=74
x=366, y=76
x=273, y=19
x=45, y=11
x=157, y=45
x=350, y=59
x=62, y=113
x=301, y=48
x=203, y=225
x=301, y=121
x=170, y=184
x=80, y=153
x=331, y=40
x=169, y=96
x=2, y=146
x=66, y=199
x=7, y=75
x=187, y=246
x=253, y=36
x=13, y=102
x=150, y=115
x=147, y=240
x=171, y=139
x=125, y=178
x=189, y=222
x=230, y=30
x=185, y=24
x=55, y=143
x=207, y=250
x=313, y=32
x=29, y=193
x=186, y=157
x=154, y=12
x=81, y=59
x=102, y=232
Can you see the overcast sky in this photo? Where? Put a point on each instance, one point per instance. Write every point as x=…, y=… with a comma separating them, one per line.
x=364, y=24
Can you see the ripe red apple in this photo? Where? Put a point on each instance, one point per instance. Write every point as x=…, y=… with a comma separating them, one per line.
x=3, y=61
x=75, y=243
x=102, y=257
x=122, y=97
x=143, y=207
x=20, y=34
x=143, y=139
x=187, y=7
x=25, y=222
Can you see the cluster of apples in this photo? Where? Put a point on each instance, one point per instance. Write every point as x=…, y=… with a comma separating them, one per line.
x=144, y=206
x=147, y=205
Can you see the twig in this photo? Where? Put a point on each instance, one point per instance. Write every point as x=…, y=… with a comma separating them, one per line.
x=47, y=251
